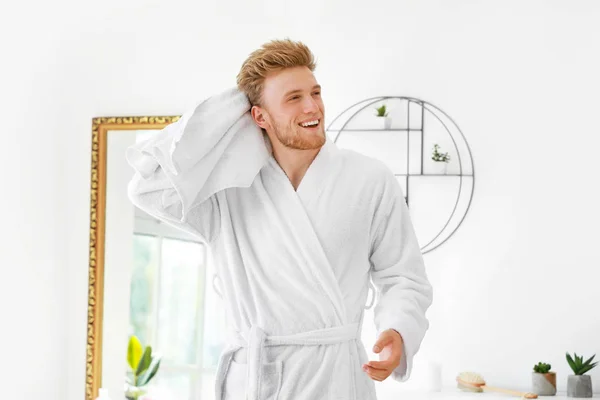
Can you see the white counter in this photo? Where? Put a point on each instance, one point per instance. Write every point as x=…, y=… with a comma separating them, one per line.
x=455, y=394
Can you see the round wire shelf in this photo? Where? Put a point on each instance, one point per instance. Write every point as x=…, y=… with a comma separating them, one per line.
x=419, y=122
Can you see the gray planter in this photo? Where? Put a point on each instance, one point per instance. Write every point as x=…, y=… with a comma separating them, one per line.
x=579, y=386
x=543, y=384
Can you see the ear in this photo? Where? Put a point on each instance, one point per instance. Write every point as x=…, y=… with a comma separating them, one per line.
x=258, y=115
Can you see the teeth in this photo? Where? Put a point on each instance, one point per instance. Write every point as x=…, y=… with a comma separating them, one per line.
x=310, y=123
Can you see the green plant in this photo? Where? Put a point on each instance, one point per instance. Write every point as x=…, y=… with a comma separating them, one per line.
x=382, y=111
x=439, y=157
x=577, y=364
x=542, y=368
x=143, y=367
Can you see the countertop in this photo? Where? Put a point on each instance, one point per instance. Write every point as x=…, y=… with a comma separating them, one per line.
x=456, y=394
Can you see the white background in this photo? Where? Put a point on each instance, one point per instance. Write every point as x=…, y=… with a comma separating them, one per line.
x=517, y=284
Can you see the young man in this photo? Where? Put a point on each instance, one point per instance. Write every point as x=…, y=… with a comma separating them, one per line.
x=298, y=228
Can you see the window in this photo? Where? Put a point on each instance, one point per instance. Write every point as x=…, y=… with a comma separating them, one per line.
x=174, y=308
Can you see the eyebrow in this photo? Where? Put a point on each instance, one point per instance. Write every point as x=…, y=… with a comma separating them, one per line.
x=299, y=91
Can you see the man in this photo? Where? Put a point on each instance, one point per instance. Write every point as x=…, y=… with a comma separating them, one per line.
x=298, y=227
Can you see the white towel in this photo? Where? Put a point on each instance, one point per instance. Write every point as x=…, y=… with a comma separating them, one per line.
x=213, y=147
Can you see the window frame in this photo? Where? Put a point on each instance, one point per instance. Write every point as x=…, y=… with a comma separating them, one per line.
x=148, y=226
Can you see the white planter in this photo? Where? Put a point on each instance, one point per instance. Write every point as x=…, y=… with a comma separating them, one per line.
x=387, y=122
x=440, y=167
x=383, y=122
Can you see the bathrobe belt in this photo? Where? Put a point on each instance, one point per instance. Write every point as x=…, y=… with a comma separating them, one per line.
x=258, y=340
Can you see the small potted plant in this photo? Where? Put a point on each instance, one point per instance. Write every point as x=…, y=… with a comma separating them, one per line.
x=143, y=367
x=543, y=380
x=442, y=158
x=579, y=385
x=382, y=114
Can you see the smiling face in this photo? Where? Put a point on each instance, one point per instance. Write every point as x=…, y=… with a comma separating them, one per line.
x=291, y=109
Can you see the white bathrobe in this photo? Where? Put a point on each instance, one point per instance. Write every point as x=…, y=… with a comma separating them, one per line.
x=294, y=265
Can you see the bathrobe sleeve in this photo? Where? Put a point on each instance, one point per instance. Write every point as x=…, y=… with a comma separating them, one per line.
x=398, y=273
x=157, y=195
x=180, y=170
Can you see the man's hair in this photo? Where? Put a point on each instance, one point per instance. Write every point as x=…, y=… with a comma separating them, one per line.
x=272, y=56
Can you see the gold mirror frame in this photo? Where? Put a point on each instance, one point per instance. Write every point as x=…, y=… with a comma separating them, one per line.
x=100, y=128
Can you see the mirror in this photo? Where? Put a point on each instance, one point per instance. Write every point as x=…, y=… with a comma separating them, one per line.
x=158, y=277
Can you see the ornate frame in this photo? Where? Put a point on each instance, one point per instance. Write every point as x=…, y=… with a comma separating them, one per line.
x=100, y=128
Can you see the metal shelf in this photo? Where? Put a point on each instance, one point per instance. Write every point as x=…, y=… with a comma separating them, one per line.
x=451, y=129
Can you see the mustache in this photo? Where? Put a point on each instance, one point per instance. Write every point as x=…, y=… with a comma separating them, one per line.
x=312, y=118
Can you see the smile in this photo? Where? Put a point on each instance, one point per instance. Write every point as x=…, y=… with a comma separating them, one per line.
x=310, y=124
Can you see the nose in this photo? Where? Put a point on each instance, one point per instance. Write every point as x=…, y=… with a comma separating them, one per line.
x=310, y=106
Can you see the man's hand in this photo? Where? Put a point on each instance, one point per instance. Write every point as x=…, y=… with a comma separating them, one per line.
x=392, y=342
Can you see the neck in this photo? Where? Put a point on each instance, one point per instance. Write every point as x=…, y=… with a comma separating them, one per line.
x=294, y=162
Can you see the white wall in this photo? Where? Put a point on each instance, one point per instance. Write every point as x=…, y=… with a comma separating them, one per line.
x=517, y=284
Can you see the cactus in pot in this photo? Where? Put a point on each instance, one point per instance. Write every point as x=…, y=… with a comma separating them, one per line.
x=579, y=384
x=543, y=380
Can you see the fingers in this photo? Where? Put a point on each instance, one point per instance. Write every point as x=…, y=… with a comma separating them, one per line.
x=376, y=374
x=387, y=364
x=380, y=370
x=383, y=340
x=386, y=337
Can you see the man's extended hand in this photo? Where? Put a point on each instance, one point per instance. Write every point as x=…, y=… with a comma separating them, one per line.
x=392, y=341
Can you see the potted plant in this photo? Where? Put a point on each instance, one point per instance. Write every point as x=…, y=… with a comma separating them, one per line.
x=382, y=114
x=579, y=385
x=543, y=380
x=442, y=158
x=143, y=367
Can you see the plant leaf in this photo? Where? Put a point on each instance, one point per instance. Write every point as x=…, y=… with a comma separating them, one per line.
x=145, y=361
x=588, y=362
x=134, y=352
x=151, y=372
x=571, y=363
x=585, y=369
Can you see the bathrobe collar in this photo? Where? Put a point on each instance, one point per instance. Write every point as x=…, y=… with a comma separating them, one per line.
x=315, y=177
